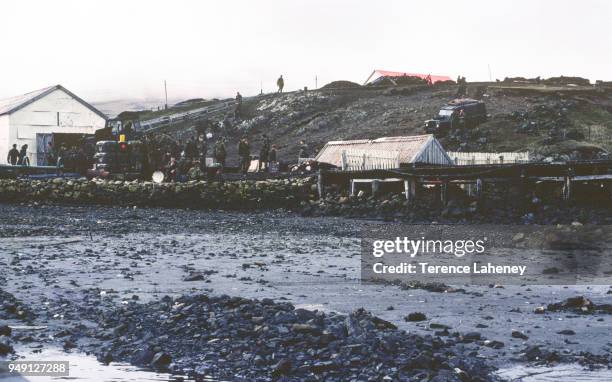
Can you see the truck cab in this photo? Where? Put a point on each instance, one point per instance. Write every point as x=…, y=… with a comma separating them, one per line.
x=457, y=114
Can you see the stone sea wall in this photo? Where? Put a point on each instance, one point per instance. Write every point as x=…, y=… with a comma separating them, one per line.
x=234, y=195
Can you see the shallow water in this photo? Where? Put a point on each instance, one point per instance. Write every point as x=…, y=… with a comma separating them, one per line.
x=559, y=373
x=87, y=368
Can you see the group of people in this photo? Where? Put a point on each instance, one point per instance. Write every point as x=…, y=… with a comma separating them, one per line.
x=267, y=154
x=18, y=157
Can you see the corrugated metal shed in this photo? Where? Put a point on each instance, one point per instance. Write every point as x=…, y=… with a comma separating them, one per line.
x=411, y=149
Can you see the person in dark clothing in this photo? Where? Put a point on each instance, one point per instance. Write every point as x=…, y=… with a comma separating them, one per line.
x=264, y=153
x=280, y=83
x=238, y=109
x=50, y=157
x=170, y=169
x=60, y=158
x=272, y=159
x=190, y=149
x=272, y=155
x=244, y=152
x=13, y=156
x=23, y=156
x=202, y=150
x=303, y=150
x=220, y=152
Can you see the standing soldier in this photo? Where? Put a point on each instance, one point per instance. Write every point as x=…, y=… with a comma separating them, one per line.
x=303, y=150
x=23, y=156
x=244, y=152
x=264, y=154
x=13, y=156
x=280, y=83
x=238, y=109
x=202, y=149
x=272, y=158
x=220, y=152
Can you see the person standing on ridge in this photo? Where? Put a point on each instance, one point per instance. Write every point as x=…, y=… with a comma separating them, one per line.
x=280, y=83
x=238, y=109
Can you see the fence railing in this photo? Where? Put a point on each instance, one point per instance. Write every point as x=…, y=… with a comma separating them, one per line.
x=370, y=160
x=471, y=158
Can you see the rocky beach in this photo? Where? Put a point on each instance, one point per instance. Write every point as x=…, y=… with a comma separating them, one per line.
x=269, y=296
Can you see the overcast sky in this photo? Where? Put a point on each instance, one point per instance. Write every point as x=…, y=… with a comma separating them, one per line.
x=112, y=49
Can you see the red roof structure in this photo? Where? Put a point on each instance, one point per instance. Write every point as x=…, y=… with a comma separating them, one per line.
x=376, y=74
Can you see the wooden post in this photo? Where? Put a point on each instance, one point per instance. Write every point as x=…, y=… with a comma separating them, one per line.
x=478, y=188
x=375, y=186
x=567, y=188
x=444, y=193
x=352, y=187
x=320, y=184
x=407, y=190
x=344, y=162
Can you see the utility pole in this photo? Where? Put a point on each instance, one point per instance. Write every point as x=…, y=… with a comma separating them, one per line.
x=316, y=82
x=166, y=91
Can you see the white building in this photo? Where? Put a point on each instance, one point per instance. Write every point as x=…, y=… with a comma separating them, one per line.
x=35, y=118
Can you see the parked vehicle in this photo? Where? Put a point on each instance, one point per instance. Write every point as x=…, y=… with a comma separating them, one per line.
x=459, y=113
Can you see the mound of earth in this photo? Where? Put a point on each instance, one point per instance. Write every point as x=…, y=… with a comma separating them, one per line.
x=341, y=85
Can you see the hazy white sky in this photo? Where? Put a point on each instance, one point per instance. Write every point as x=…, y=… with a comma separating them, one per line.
x=110, y=49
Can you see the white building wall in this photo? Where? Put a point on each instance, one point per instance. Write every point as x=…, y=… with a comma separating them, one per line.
x=4, y=138
x=57, y=112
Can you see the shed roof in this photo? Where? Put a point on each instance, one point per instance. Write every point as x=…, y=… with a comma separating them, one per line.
x=408, y=147
x=12, y=104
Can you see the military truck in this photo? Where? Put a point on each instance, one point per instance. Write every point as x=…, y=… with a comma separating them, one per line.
x=458, y=113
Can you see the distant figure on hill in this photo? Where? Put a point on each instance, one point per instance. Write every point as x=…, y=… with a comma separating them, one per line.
x=238, y=109
x=280, y=83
